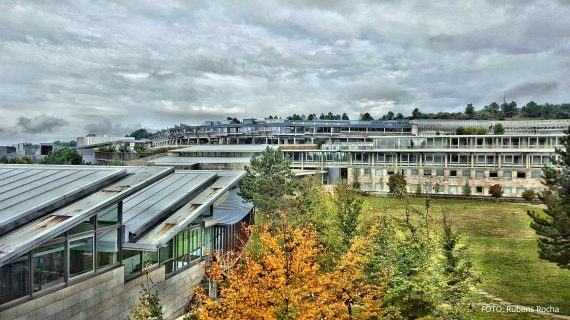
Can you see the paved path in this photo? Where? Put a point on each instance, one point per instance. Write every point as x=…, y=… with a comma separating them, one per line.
x=501, y=302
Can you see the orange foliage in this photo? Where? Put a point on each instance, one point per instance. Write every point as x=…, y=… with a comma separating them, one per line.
x=282, y=280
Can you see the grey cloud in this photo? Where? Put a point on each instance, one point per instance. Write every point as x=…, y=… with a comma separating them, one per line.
x=531, y=89
x=110, y=66
x=40, y=124
x=107, y=126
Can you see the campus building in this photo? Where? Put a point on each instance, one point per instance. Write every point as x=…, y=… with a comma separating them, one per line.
x=427, y=152
x=77, y=242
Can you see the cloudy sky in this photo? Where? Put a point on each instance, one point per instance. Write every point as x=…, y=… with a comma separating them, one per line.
x=67, y=69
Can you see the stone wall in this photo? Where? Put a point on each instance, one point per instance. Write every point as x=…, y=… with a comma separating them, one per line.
x=107, y=296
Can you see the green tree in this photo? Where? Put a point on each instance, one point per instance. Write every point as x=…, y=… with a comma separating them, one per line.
x=344, y=117
x=65, y=155
x=416, y=114
x=139, y=134
x=418, y=189
x=268, y=180
x=348, y=207
x=498, y=129
x=366, y=117
x=397, y=184
x=553, y=230
x=466, y=189
x=509, y=110
x=124, y=148
x=470, y=111
x=149, y=307
x=493, y=108
x=457, y=268
x=19, y=160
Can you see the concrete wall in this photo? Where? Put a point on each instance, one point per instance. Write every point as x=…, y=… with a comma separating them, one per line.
x=107, y=296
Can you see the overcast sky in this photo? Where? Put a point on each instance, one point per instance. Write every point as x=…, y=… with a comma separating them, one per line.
x=67, y=69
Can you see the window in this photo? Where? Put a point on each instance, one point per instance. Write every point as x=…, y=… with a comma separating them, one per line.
x=107, y=217
x=480, y=174
x=366, y=186
x=453, y=173
x=521, y=175
x=132, y=261
x=48, y=265
x=80, y=256
x=507, y=175
x=379, y=172
x=493, y=174
x=87, y=225
x=378, y=187
x=427, y=172
x=415, y=172
x=535, y=175
x=355, y=171
x=166, y=254
x=403, y=172
x=466, y=173
x=520, y=191
x=150, y=258
x=452, y=189
x=107, y=248
x=507, y=192
x=182, y=246
x=15, y=279
x=439, y=173
x=196, y=239
x=479, y=189
x=368, y=171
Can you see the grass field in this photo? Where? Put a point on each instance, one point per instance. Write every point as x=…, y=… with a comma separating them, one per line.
x=504, y=251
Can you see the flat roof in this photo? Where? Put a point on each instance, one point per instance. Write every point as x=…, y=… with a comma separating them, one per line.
x=29, y=191
x=33, y=233
x=227, y=148
x=190, y=161
x=161, y=233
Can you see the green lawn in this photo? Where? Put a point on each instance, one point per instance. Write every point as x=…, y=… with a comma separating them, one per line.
x=504, y=252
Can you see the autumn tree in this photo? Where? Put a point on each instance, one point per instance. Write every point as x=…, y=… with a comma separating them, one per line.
x=268, y=180
x=280, y=280
x=553, y=228
x=528, y=195
x=496, y=191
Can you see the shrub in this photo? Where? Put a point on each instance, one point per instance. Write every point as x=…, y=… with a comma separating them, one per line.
x=528, y=195
x=496, y=191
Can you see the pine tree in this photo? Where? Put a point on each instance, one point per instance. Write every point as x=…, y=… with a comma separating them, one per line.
x=553, y=230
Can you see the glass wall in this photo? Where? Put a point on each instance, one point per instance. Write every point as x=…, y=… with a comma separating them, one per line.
x=15, y=279
x=185, y=248
x=48, y=265
x=92, y=244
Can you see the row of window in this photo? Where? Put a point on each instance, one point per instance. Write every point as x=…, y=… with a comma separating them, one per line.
x=451, y=173
x=85, y=248
x=452, y=189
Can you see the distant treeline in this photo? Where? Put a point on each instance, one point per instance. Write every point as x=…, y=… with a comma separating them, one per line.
x=492, y=111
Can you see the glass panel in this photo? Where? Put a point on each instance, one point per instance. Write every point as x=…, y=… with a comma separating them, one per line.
x=132, y=262
x=109, y=216
x=14, y=279
x=150, y=257
x=196, y=243
x=49, y=265
x=207, y=247
x=166, y=254
x=182, y=243
x=107, y=248
x=80, y=256
x=87, y=225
